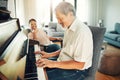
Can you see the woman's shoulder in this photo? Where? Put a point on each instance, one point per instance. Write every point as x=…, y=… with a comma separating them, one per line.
x=42, y=31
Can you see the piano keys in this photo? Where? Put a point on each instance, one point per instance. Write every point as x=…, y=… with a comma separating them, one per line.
x=32, y=72
x=13, y=51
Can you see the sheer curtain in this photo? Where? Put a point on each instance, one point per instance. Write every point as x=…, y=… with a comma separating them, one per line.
x=40, y=9
x=20, y=11
x=54, y=4
x=87, y=10
x=43, y=11
x=83, y=10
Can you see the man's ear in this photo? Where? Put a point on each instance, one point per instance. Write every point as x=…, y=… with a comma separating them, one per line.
x=70, y=14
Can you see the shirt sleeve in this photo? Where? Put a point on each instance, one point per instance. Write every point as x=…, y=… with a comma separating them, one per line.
x=83, y=47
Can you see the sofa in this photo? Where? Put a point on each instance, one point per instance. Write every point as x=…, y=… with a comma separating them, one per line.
x=55, y=30
x=113, y=37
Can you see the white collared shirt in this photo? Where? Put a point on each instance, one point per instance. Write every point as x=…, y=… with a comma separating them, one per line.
x=77, y=44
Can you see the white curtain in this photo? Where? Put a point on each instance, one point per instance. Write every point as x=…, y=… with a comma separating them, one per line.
x=83, y=10
x=20, y=11
x=40, y=10
x=43, y=11
x=87, y=10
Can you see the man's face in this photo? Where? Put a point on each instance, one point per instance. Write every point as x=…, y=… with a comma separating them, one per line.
x=33, y=25
x=62, y=19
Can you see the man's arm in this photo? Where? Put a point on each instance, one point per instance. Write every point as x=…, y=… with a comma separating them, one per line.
x=71, y=64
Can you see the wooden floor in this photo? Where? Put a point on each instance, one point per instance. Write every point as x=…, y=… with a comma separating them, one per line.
x=112, y=48
x=100, y=76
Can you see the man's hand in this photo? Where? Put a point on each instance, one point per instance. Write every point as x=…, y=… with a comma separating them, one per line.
x=45, y=63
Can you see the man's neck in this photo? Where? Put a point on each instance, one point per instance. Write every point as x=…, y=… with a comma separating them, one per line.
x=72, y=20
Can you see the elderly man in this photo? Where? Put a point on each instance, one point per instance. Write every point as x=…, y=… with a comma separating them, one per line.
x=75, y=58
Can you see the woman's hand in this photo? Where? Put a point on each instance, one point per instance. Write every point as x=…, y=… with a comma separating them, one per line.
x=59, y=39
x=44, y=54
x=46, y=63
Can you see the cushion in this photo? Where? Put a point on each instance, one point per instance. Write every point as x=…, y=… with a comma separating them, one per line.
x=110, y=63
x=118, y=39
x=111, y=36
x=52, y=25
x=117, y=27
x=57, y=34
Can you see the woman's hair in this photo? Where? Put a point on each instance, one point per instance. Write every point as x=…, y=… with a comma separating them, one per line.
x=32, y=20
x=65, y=8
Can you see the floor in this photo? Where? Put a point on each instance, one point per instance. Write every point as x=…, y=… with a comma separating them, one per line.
x=100, y=76
x=112, y=48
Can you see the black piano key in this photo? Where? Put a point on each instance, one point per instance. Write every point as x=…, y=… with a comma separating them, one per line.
x=31, y=78
x=31, y=68
x=31, y=75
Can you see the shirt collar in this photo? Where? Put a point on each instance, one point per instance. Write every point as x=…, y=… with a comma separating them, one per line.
x=73, y=25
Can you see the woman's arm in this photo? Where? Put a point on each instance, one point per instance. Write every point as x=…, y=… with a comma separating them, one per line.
x=49, y=55
x=54, y=38
x=30, y=35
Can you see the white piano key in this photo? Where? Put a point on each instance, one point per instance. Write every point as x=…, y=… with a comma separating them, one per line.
x=40, y=71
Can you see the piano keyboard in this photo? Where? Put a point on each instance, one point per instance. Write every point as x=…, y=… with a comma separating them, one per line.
x=31, y=71
x=41, y=76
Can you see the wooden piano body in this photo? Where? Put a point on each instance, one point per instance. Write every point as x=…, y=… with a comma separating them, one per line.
x=12, y=51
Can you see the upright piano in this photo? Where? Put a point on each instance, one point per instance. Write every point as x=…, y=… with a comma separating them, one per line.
x=17, y=60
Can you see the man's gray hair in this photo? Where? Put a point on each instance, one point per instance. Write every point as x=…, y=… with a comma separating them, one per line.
x=65, y=8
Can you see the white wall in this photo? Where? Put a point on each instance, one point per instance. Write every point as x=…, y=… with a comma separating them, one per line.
x=111, y=13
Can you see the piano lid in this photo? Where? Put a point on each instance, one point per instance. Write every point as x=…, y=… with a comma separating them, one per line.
x=8, y=31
